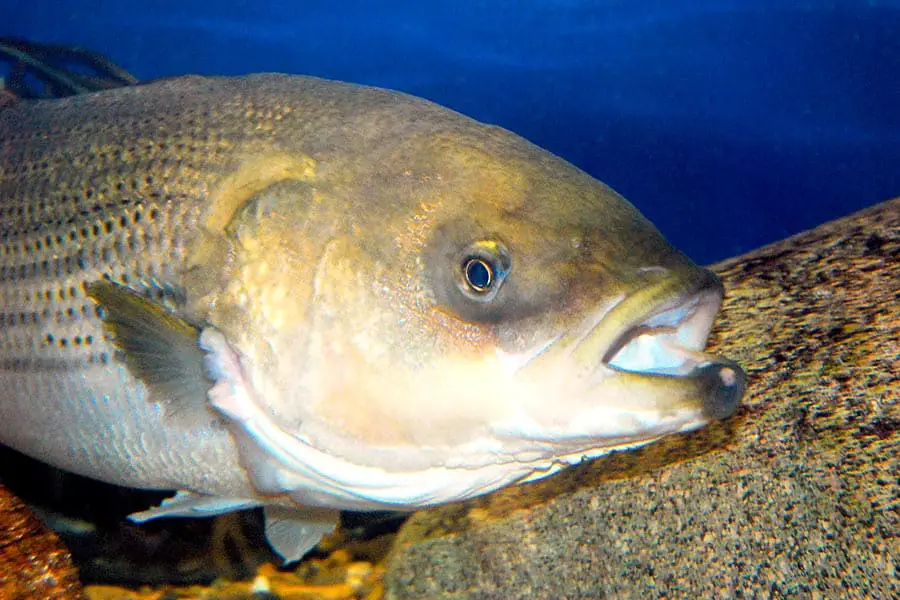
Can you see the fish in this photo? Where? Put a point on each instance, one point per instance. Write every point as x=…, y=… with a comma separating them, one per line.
x=309, y=296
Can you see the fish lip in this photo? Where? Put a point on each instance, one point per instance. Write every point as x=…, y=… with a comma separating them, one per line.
x=697, y=309
x=692, y=301
x=666, y=343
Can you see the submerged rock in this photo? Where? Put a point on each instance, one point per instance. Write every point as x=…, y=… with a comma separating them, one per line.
x=796, y=496
x=33, y=562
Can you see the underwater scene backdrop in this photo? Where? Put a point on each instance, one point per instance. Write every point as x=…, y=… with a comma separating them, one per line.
x=729, y=123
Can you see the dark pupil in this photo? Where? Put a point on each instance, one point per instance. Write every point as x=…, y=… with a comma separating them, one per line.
x=479, y=274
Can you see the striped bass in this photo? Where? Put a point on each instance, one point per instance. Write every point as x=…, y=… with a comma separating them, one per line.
x=307, y=295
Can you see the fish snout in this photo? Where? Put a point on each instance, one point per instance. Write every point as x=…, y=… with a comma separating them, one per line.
x=721, y=384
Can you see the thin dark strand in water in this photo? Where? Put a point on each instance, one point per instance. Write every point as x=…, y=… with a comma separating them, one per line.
x=58, y=70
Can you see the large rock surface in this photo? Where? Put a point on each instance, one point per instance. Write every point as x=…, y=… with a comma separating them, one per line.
x=796, y=496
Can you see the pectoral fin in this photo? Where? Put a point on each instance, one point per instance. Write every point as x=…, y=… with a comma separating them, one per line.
x=292, y=533
x=157, y=346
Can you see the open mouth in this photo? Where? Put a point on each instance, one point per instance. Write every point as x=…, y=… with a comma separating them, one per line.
x=666, y=345
x=668, y=342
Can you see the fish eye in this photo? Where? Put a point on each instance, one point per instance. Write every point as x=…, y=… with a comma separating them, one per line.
x=483, y=268
x=479, y=275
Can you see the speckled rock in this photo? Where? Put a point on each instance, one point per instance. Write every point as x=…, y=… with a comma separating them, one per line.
x=33, y=563
x=796, y=496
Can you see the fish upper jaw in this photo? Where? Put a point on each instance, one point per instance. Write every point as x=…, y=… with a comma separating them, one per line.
x=666, y=338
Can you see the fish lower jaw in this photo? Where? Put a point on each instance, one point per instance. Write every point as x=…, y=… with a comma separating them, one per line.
x=602, y=432
x=307, y=472
x=547, y=467
x=313, y=477
x=590, y=448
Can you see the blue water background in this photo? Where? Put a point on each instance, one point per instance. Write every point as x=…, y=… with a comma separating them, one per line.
x=730, y=123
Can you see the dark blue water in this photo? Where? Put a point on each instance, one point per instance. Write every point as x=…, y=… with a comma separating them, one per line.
x=730, y=123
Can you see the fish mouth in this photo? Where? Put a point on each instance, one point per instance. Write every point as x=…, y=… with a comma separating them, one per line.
x=668, y=341
x=633, y=372
x=661, y=344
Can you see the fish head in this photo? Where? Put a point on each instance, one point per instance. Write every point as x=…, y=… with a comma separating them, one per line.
x=451, y=312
